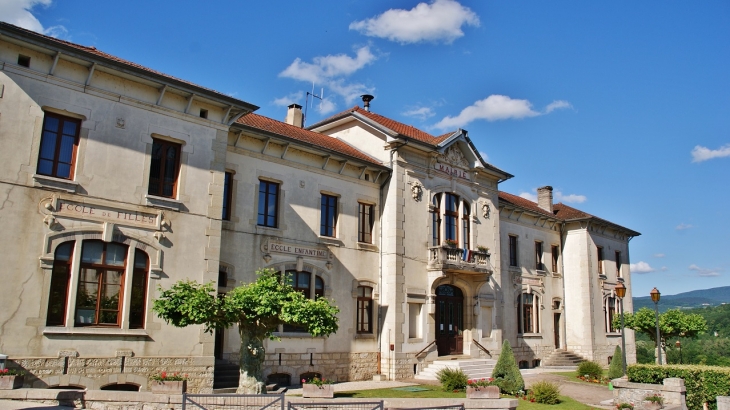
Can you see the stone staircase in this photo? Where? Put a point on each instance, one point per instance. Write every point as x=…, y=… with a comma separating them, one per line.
x=226, y=375
x=474, y=368
x=561, y=358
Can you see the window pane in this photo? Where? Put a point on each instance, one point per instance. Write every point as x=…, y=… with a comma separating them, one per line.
x=57, y=298
x=115, y=254
x=69, y=128
x=303, y=280
x=140, y=259
x=63, y=251
x=50, y=124
x=92, y=251
x=63, y=171
x=48, y=145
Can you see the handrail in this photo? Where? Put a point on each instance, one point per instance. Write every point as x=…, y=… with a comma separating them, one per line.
x=482, y=348
x=426, y=348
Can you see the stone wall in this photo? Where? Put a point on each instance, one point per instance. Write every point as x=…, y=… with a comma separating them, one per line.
x=97, y=372
x=672, y=390
x=343, y=366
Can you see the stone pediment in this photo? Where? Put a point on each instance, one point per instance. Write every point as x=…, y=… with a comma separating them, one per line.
x=455, y=157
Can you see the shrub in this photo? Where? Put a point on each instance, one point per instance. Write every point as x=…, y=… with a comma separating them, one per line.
x=545, y=392
x=703, y=383
x=616, y=369
x=506, y=374
x=592, y=369
x=452, y=379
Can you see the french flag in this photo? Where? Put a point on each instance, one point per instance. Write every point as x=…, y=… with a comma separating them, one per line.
x=466, y=256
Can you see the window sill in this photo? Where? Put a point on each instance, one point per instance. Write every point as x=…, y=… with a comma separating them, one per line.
x=328, y=240
x=415, y=340
x=60, y=184
x=296, y=335
x=613, y=334
x=162, y=202
x=367, y=247
x=95, y=331
x=602, y=276
x=529, y=336
x=541, y=272
x=620, y=279
x=514, y=268
x=364, y=336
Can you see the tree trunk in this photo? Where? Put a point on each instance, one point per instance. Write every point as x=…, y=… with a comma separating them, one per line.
x=251, y=360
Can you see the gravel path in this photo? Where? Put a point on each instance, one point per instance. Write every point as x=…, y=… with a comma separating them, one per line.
x=585, y=393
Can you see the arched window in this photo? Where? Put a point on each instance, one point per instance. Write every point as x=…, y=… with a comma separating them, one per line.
x=528, y=313
x=465, y=224
x=302, y=282
x=611, y=310
x=436, y=221
x=451, y=216
x=139, y=290
x=59, y=285
x=364, y=309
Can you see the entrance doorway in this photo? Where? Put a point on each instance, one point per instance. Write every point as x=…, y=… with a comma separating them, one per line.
x=556, y=329
x=449, y=320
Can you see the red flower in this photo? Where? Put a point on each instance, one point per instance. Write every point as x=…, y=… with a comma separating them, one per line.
x=304, y=381
x=163, y=375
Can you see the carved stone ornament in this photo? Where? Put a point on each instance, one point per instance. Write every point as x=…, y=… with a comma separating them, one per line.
x=486, y=210
x=120, y=122
x=267, y=258
x=454, y=156
x=417, y=191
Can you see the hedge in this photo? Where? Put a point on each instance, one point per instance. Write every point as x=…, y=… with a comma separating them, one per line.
x=703, y=383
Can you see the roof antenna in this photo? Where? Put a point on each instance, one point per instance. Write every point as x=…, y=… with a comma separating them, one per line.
x=366, y=98
x=307, y=103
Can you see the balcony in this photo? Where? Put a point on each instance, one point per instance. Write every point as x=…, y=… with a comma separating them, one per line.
x=449, y=259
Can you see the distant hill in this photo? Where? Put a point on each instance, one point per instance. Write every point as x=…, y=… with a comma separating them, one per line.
x=687, y=300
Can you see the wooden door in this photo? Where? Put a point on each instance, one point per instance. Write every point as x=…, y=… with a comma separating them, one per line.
x=449, y=320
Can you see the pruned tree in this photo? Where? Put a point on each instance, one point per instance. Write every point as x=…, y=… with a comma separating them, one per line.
x=616, y=369
x=672, y=323
x=258, y=308
x=506, y=373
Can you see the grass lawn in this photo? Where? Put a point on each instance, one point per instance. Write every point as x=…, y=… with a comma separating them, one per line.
x=573, y=377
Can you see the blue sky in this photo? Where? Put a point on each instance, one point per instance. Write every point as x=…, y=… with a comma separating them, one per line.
x=623, y=107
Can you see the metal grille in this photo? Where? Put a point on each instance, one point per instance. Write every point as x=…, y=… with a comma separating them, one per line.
x=362, y=405
x=233, y=401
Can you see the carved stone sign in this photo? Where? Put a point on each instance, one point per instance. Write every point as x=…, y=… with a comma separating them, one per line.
x=298, y=250
x=78, y=210
x=531, y=281
x=455, y=172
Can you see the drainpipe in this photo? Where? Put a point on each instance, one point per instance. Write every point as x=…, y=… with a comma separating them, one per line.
x=380, y=268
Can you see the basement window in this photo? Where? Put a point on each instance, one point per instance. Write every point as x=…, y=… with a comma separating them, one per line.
x=23, y=60
x=203, y=113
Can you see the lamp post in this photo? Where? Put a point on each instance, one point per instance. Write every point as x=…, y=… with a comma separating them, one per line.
x=655, y=295
x=621, y=292
x=679, y=346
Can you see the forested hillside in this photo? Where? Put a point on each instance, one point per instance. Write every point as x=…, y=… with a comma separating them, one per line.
x=686, y=300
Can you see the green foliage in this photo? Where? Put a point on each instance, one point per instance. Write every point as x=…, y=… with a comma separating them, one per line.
x=592, y=369
x=703, y=383
x=506, y=373
x=189, y=303
x=616, y=369
x=545, y=392
x=672, y=323
x=452, y=379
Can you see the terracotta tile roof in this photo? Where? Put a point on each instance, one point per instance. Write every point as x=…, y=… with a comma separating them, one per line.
x=566, y=212
x=98, y=53
x=523, y=203
x=313, y=138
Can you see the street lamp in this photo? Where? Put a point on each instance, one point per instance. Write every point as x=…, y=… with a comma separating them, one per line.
x=679, y=346
x=621, y=292
x=655, y=295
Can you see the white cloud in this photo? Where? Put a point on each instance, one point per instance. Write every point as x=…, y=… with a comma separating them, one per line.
x=700, y=153
x=292, y=98
x=326, y=106
x=529, y=196
x=664, y=269
x=497, y=107
x=439, y=21
x=571, y=199
x=484, y=155
x=704, y=272
x=683, y=226
x=640, y=267
x=330, y=71
x=19, y=13
x=421, y=113
x=659, y=255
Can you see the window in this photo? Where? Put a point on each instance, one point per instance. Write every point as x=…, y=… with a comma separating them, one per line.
x=164, y=168
x=227, y=196
x=599, y=253
x=59, y=143
x=365, y=223
x=465, y=223
x=528, y=313
x=512, y=250
x=101, y=287
x=329, y=216
x=364, y=309
x=618, y=264
x=414, y=320
x=555, y=251
x=451, y=216
x=222, y=276
x=610, y=310
x=302, y=282
x=268, y=204
x=203, y=113
x=436, y=221
x=538, y=256
x=23, y=60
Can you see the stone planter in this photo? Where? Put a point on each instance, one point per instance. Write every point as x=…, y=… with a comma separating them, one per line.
x=11, y=382
x=168, y=387
x=651, y=405
x=326, y=391
x=487, y=392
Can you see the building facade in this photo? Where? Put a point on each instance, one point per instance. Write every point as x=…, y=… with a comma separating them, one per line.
x=116, y=179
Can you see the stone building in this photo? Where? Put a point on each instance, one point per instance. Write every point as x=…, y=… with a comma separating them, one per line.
x=116, y=179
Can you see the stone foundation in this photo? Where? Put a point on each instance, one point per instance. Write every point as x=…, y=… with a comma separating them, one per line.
x=98, y=372
x=672, y=390
x=336, y=366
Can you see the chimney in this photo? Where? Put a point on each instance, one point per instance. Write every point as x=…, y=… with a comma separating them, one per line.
x=545, y=198
x=294, y=116
x=366, y=98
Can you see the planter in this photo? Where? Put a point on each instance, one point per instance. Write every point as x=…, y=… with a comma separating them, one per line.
x=651, y=405
x=487, y=392
x=326, y=391
x=11, y=382
x=168, y=387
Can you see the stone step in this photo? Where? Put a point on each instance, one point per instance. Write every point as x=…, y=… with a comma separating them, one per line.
x=474, y=368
